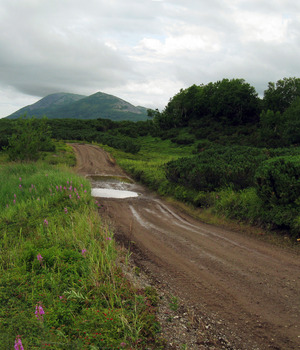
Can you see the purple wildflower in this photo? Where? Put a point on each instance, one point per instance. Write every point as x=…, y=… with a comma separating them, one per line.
x=39, y=311
x=66, y=210
x=14, y=201
x=108, y=238
x=15, y=195
x=40, y=258
x=20, y=178
x=70, y=196
x=46, y=222
x=18, y=343
x=20, y=186
x=123, y=344
x=83, y=251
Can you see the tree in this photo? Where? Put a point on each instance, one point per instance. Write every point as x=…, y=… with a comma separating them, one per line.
x=228, y=101
x=234, y=102
x=292, y=123
x=279, y=96
x=271, y=128
x=29, y=138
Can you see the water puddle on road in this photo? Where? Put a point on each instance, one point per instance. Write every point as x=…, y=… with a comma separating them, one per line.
x=112, y=187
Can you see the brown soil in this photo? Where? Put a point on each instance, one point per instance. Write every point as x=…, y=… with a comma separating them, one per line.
x=234, y=291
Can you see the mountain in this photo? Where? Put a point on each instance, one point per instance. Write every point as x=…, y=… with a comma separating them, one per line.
x=98, y=105
x=47, y=105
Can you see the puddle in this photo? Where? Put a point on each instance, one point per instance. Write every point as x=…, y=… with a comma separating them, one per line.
x=110, y=193
x=113, y=187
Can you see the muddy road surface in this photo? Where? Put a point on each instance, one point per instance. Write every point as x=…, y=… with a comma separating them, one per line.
x=248, y=289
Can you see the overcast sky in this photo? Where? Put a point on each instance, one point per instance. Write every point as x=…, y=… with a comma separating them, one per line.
x=143, y=51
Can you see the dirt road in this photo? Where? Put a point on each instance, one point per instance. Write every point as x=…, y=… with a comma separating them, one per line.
x=249, y=289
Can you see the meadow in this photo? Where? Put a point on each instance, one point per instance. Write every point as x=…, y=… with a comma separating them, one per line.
x=61, y=284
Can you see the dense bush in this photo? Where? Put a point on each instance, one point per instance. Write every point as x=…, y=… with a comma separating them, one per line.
x=278, y=180
x=28, y=139
x=125, y=144
x=217, y=167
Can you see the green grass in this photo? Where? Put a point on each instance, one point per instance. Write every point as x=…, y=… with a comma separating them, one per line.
x=56, y=253
x=147, y=165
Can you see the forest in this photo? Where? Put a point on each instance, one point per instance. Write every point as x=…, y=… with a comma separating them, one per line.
x=238, y=154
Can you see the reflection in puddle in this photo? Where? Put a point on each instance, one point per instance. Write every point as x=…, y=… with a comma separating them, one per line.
x=110, y=193
x=112, y=187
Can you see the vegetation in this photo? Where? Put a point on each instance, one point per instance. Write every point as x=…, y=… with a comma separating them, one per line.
x=212, y=146
x=218, y=147
x=60, y=279
x=29, y=139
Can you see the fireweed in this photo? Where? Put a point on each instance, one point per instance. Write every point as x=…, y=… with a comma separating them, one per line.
x=89, y=302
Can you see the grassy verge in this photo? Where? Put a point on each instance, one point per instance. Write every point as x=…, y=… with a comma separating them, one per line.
x=60, y=284
x=148, y=164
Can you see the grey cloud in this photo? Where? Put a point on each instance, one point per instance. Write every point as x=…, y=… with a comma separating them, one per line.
x=127, y=47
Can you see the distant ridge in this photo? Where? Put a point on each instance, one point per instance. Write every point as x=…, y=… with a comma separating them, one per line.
x=66, y=105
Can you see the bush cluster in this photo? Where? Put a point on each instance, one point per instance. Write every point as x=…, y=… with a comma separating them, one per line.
x=217, y=167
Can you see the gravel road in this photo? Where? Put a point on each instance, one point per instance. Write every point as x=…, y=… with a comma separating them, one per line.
x=245, y=292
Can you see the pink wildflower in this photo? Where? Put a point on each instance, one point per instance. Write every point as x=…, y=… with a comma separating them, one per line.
x=40, y=258
x=46, y=222
x=39, y=311
x=18, y=343
x=83, y=251
x=66, y=210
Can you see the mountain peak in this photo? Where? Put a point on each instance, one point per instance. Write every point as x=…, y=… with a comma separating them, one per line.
x=67, y=105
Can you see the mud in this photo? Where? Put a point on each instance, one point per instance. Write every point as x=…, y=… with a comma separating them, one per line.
x=245, y=292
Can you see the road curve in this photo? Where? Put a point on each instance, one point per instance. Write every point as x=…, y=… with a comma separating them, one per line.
x=249, y=288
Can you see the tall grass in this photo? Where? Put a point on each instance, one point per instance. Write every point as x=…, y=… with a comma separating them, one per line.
x=57, y=256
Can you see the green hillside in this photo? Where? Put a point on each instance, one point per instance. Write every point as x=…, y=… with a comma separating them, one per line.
x=98, y=105
x=47, y=105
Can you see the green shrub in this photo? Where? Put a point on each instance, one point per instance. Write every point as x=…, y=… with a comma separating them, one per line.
x=217, y=167
x=278, y=180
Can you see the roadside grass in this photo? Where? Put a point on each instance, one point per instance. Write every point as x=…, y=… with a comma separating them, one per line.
x=60, y=284
x=148, y=164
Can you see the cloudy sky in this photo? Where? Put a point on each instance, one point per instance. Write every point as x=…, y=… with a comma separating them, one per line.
x=143, y=51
